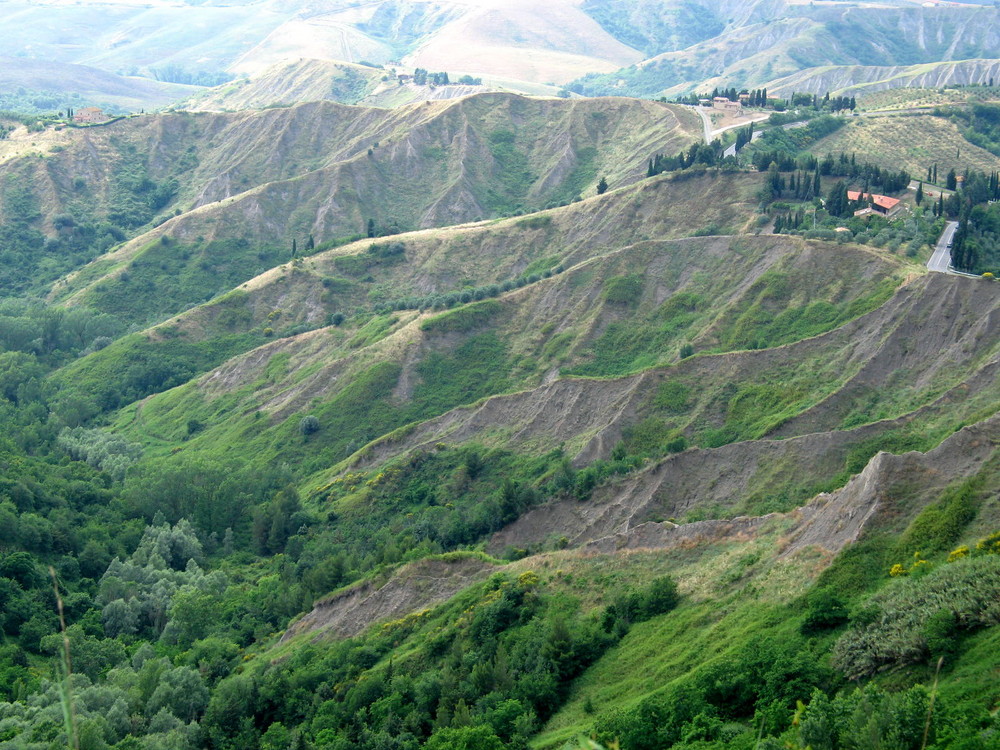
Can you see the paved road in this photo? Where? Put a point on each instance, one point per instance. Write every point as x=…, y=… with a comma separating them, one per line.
x=930, y=191
x=731, y=151
x=941, y=259
x=710, y=134
x=706, y=120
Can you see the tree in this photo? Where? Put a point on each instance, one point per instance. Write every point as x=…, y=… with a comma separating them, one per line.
x=119, y=619
x=920, y=193
x=602, y=186
x=181, y=691
x=479, y=737
x=371, y=227
x=775, y=181
x=837, y=203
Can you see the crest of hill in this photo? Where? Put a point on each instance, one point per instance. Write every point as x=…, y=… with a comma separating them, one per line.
x=334, y=168
x=291, y=82
x=839, y=378
x=423, y=366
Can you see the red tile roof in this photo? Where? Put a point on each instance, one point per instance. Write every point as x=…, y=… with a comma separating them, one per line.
x=882, y=201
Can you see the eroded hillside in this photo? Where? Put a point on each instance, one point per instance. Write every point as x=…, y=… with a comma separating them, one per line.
x=230, y=193
x=633, y=467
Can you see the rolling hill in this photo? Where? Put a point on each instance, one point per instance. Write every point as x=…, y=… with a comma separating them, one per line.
x=204, y=180
x=293, y=82
x=335, y=427
x=911, y=142
x=288, y=83
x=515, y=41
x=54, y=85
x=651, y=48
x=586, y=358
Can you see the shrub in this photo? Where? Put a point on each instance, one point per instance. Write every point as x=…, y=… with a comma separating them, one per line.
x=464, y=319
x=623, y=290
x=308, y=425
x=826, y=611
x=902, y=617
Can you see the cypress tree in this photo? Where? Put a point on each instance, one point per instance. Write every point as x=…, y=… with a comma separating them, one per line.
x=602, y=186
x=920, y=193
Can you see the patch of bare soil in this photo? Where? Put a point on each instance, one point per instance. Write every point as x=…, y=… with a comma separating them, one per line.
x=413, y=588
x=831, y=521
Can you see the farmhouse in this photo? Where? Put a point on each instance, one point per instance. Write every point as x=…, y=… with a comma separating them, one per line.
x=723, y=104
x=878, y=204
x=89, y=115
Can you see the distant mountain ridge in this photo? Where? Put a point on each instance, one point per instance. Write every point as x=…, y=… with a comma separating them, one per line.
x=649, y=48
x=799, y=38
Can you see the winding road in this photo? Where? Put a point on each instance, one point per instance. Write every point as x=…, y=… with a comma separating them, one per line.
x=941, y=259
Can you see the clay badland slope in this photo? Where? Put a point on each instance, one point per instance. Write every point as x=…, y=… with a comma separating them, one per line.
x=825, y=525
x=354, y=281
x=428, y=165
x=524, y=339
x=859, y=80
